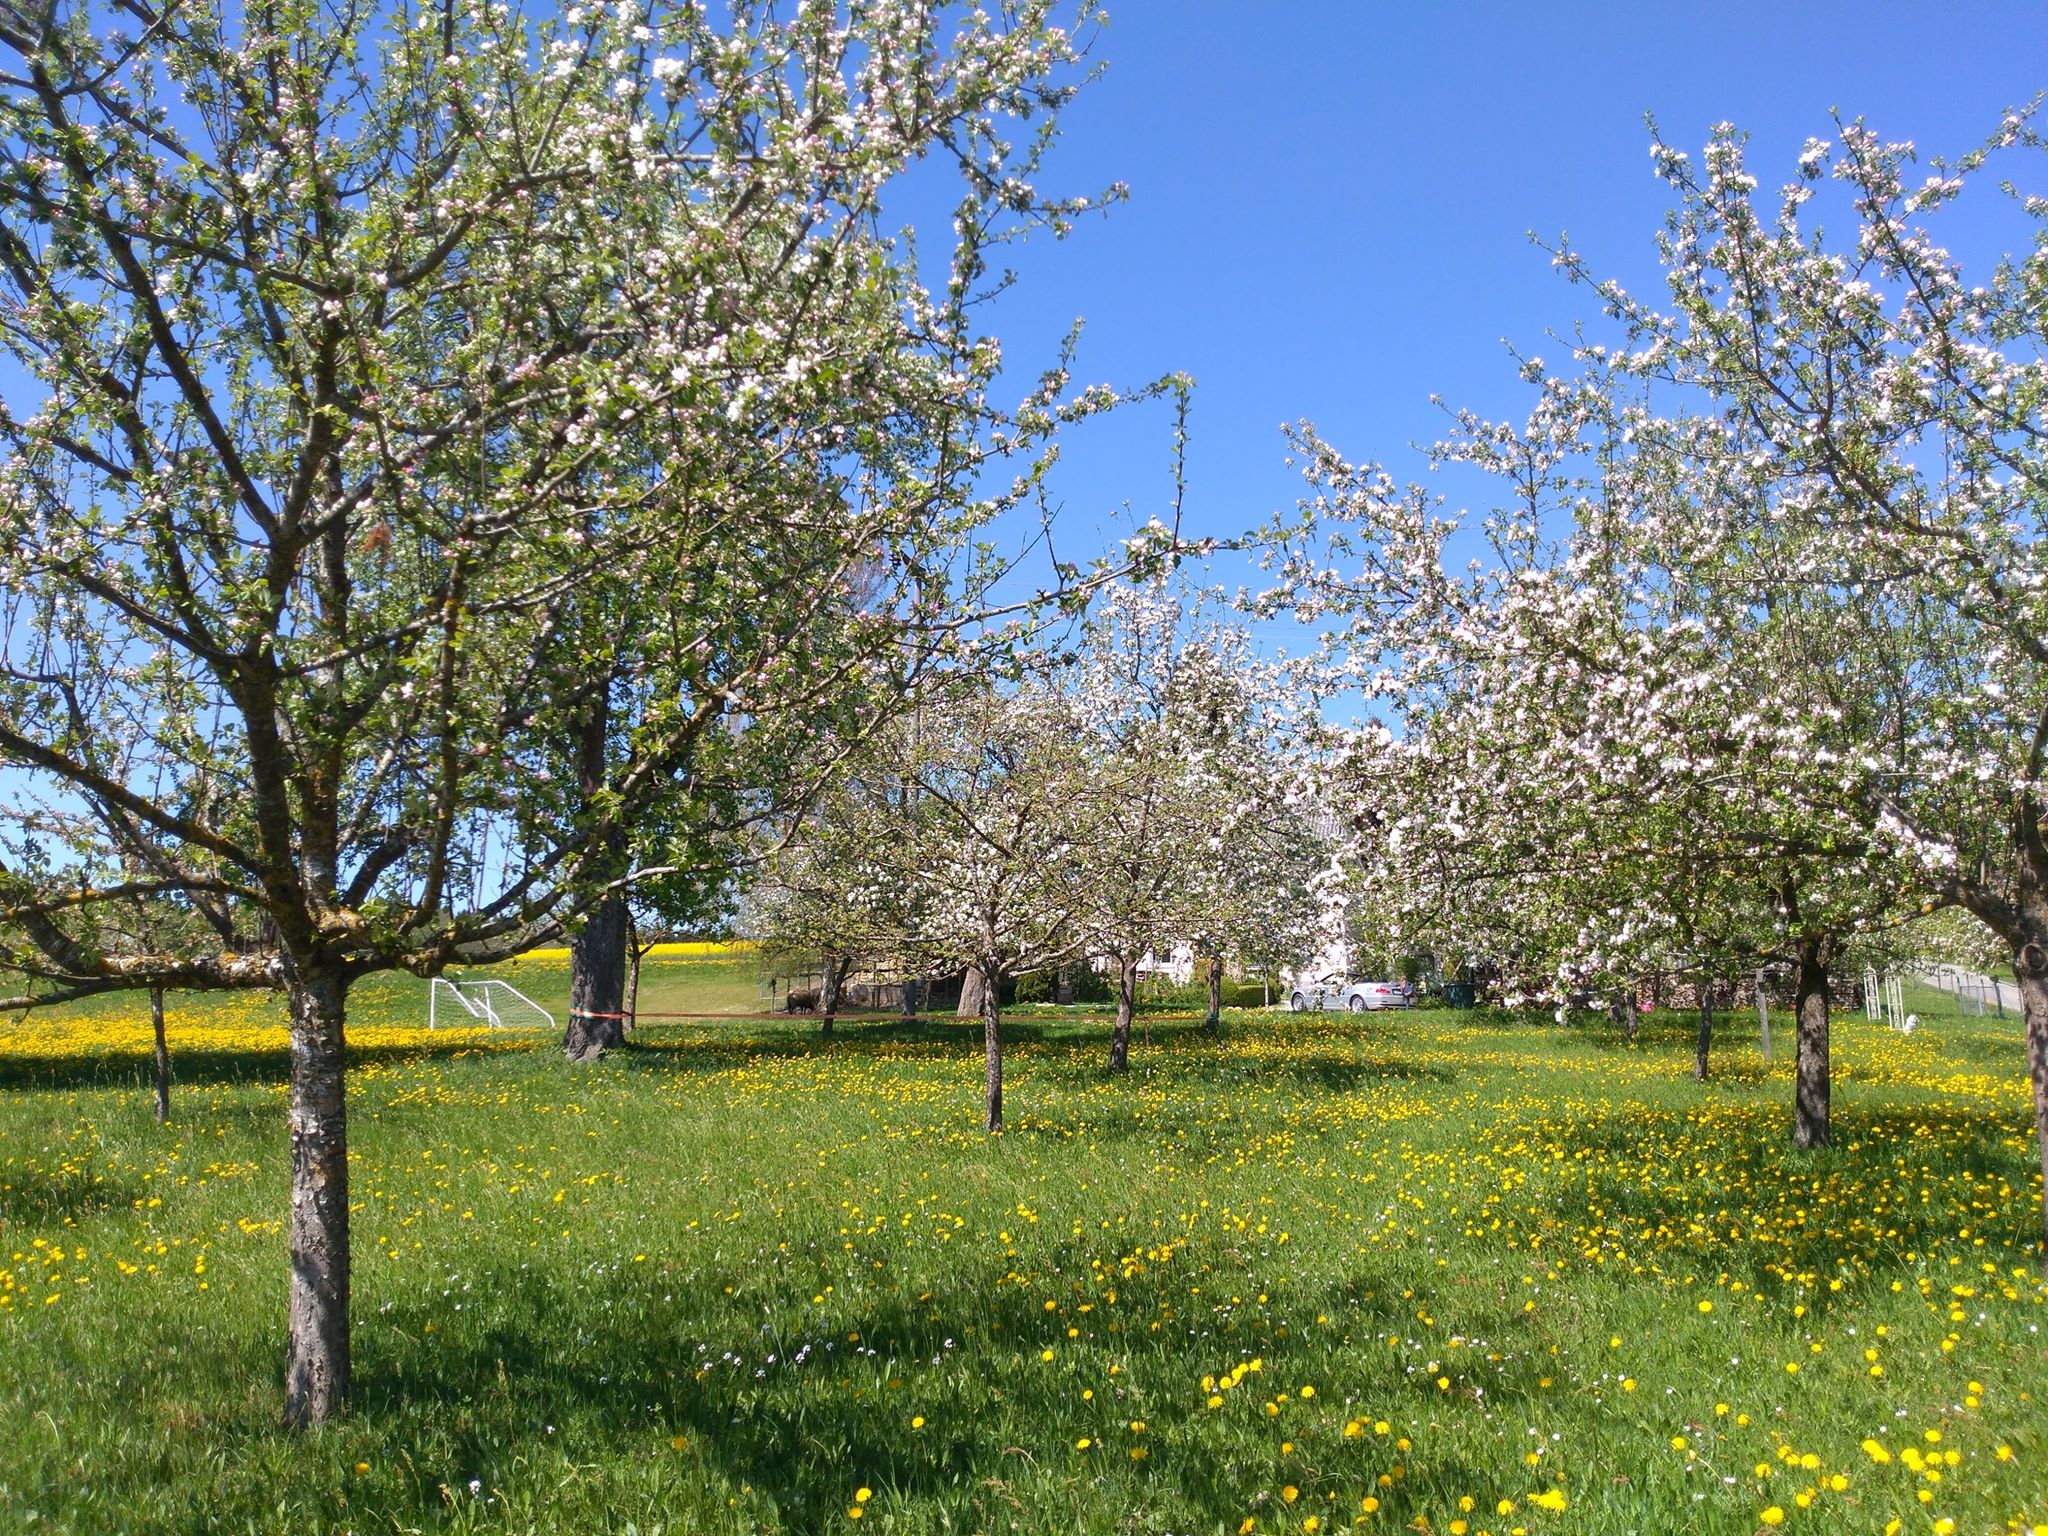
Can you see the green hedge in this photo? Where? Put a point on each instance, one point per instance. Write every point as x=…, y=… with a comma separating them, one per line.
x=1090, y=986
x=1158, y=992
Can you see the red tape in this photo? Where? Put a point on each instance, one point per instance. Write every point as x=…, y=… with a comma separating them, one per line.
x=1143, y=1018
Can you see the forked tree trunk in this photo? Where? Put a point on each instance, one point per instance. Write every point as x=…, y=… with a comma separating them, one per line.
x=597, y=983
x=316, y=1335
x=1706, y=1040
x=991, y=1002
x=163, y=1055
x=1810, y=999
x=1215, y=1019
x=1126, y=1010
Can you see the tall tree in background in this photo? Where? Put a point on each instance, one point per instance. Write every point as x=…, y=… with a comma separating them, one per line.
x=347, y=341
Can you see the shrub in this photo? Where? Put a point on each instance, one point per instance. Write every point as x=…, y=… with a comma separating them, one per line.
x=1157, y=991
x=1090, y=986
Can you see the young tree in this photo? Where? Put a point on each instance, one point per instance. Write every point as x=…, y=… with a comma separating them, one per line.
x=961, y=843
x=346, y=342
x=1134, y=690
x=1251, y=857
x=1004, y=856
x=824, y=895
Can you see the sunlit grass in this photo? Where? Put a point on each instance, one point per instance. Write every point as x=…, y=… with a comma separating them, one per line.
x=1482, y=1275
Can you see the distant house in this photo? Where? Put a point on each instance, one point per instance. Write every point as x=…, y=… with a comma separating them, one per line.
x=1178, y=966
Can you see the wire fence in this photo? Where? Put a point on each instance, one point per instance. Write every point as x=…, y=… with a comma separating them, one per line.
x=1975, y=993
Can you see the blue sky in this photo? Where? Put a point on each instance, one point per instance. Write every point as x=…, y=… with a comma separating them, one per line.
x=1330, y=202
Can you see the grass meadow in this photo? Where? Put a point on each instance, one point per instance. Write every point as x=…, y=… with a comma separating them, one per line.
x=1433, y=1272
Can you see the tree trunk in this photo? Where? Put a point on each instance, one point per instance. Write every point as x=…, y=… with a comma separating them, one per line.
x=834, y=977
x=597, y=952
x=1810, y=1044
x=1126, y=1010
x=1620, y=1009
x=1215, y=1019
x=2030, y=965
x=1763, y=1015
x=163, y=1055
x=971, y=988
x=1063, y=986
x=990, y=995
x=1699, y=1060
x=597, y=982
x=635, y=952
x=909, y=997
x=316, y=1335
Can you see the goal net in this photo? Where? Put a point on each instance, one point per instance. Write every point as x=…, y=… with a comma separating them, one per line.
x=494, y=1004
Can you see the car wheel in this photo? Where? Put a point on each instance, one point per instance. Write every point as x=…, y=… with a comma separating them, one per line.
x=1358, y=1002
x=1298, y=1003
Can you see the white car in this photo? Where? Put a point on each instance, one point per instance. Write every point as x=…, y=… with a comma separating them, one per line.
x=1335, y=991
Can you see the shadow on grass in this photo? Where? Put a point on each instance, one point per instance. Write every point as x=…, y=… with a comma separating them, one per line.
x=1074, y=1052
x=133, y=1068
x=1666, y=1028
x=806, y=1409
x=1671, y=1198
x=36, y=1199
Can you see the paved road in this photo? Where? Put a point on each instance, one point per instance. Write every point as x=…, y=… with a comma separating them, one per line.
x=1995, y=995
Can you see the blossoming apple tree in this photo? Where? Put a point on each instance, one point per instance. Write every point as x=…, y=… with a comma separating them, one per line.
x=1885, y=412
x=429, y=426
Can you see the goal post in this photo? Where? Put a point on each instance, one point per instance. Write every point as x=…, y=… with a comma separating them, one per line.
x=492, y=1003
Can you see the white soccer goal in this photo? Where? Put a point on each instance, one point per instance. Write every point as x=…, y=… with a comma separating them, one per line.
x=494, y=1004
x=1884, y=1001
